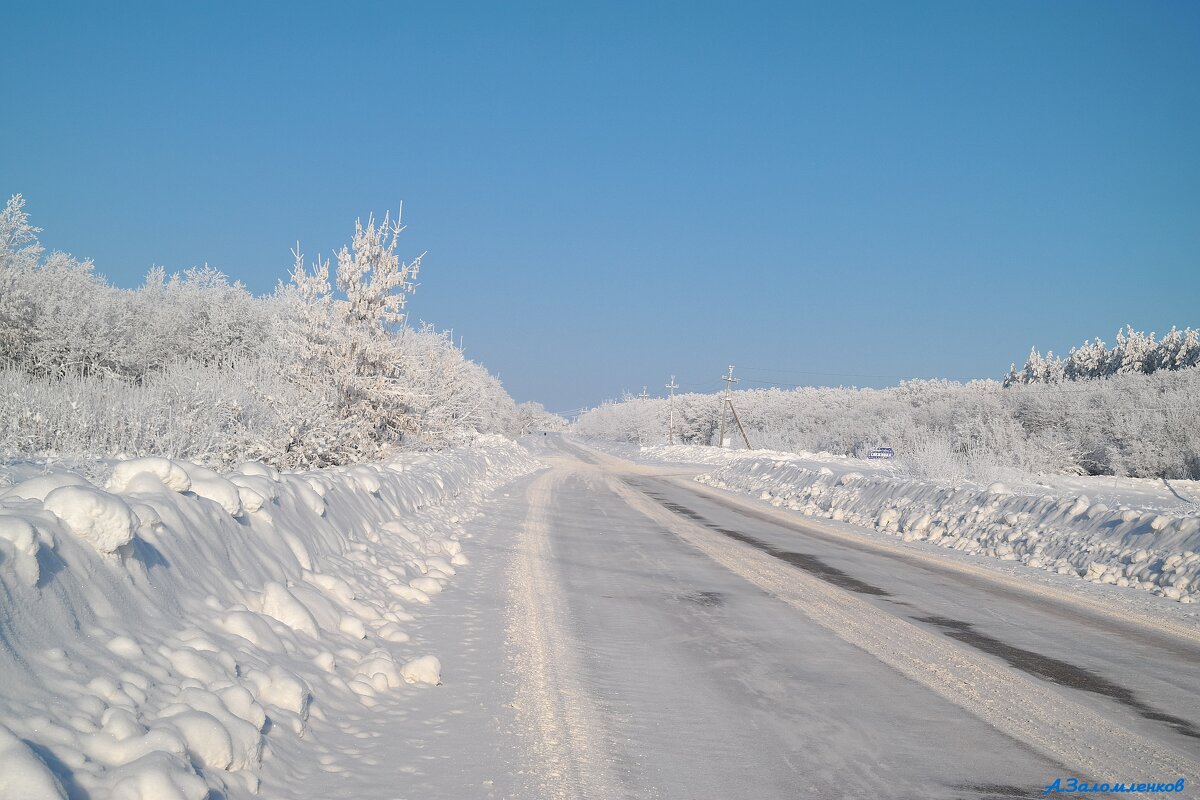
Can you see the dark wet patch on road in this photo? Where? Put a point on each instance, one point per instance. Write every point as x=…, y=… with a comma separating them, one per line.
x=1056, y=671
x=805, y=561
x=810, y=564
x=704, y=598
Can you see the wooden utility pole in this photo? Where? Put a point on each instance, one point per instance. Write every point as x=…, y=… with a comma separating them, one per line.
x=671, y=387
x=727, y=402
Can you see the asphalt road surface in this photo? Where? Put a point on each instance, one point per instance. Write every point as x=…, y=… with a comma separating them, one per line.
x=669, y=640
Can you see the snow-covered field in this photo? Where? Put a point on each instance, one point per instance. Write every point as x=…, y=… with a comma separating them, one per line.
x=160, y=633
x=1130, y=532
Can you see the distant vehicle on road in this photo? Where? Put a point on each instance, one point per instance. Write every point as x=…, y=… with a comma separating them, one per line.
x=881, y=452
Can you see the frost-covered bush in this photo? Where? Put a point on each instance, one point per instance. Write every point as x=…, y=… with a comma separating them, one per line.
x=1128, y=424
x=534, y=418
x=935, y=455
x=1138, y=425
x=195, y=367
x=247, y=410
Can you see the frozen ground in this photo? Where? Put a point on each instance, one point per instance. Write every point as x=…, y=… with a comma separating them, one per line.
x=602, y=628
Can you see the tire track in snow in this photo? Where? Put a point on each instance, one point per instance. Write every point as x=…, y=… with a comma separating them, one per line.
x=1028, y=711
x=555, y=714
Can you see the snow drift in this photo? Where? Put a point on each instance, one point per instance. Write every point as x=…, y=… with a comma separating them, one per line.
x=159, y=633
x=1144, y=548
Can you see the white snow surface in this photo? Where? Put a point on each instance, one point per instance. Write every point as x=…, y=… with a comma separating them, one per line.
x=157, y=636
x=692, y=454
x=1130, y=532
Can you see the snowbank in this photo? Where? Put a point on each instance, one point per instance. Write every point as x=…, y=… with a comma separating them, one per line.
x=1072, y=534
x=157, y=635
x=697, y=454
x=682, y=453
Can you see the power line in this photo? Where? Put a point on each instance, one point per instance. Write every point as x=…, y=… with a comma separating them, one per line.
x=777, y=385
x=836, y=374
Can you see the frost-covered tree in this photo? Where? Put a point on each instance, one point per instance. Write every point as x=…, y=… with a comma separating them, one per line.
x=391, y=383
x=1180, y=351
x=18, y=238
x=1169, y=351
x=19, y=253
x=1134, y=352
x=346, y=341
x=1036, y=368
x=1054, y=371
x=1089, y=360
x=376, y=282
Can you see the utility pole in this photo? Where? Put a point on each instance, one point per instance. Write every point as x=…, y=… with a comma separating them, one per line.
x=729, y=382
x=671, y=387
x=644, y=395
x=727, y=402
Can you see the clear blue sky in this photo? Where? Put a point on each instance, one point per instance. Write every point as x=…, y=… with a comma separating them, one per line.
x=614, y=192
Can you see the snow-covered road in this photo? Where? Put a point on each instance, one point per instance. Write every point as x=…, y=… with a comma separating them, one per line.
x=669, y=640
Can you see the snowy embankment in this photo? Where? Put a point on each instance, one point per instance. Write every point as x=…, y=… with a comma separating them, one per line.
x=685, y=453
x=157, y=635
x=1069, y=534
x=1134, y=532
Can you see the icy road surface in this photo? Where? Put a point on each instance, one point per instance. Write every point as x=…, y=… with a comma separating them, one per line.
x=674, y=643
x=661, y=639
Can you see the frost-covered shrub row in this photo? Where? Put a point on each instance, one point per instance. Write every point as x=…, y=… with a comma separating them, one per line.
x=323, y=371
x=1136, y=425
x=1134, y=352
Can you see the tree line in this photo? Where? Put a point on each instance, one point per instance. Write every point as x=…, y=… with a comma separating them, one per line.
x=325, y=370
x=1134, y=424
x=1135, y=353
